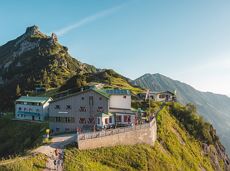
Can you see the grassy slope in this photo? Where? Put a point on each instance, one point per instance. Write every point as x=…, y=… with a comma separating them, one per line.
x=175, y=149
x=109, y=79
x=36, y=163
x=19, y=136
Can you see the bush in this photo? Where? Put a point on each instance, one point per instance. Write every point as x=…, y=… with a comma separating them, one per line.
x=194, y=123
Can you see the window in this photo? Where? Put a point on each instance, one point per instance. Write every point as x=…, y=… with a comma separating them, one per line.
x=161, y=96
x=58, y=119
x=100, y=109
x=106, y=120
x=39, y=118
x=68, y=107
x=57, y=129
x=21, y=115
x=19, y=108
x=37, y=110
x=57, y=107
x=98, y=121
x=82, y=109
x=110, y=119
x=67, y=120
x=91, y=120
x=118, y=118
x=124, y=97
x=82, y=120
x=100, y=98
x=24, y=109
x=30, y=110
x=82, y=98
x=127, y=118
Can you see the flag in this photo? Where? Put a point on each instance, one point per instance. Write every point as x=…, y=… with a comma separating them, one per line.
x=147, y=94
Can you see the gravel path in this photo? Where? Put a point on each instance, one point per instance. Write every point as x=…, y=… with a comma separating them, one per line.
x=57, y=142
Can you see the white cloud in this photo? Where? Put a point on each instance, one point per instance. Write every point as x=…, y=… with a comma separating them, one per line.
x=87, y=20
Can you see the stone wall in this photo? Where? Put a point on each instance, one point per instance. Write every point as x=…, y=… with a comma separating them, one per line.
x=142, y=134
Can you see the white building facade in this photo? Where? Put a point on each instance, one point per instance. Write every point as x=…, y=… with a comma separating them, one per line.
x=32, y=108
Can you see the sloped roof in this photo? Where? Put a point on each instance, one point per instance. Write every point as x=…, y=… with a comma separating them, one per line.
x=81, y=92
x=103, y=93
x=33, y=99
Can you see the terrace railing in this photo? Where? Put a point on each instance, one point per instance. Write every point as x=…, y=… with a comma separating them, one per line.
x=108, y=132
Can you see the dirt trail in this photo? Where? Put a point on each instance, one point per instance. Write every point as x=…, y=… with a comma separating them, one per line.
x=58, y=142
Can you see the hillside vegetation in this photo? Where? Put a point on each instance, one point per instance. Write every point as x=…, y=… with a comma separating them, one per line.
x=106, y=78
x=27, y=163
x=19, y=136
x=177, y=148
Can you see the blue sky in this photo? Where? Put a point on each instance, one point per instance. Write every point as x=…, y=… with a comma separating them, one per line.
x=185, y=40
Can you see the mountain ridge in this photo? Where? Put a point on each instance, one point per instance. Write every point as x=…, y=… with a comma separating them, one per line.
x=215, y=108
x=35, y=59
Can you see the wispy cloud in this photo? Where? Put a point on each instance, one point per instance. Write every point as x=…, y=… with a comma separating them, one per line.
x=87, y=20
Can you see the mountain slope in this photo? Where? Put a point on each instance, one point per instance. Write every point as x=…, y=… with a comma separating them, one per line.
x=35, y=58
x=175, y=149
x=213, y=107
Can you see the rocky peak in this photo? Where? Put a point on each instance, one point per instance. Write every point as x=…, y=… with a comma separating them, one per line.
x=32, y=30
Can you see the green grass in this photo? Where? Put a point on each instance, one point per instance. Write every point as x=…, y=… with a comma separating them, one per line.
x=27, y=163
x=175, y=149
x=117, y=82
x=19, y=136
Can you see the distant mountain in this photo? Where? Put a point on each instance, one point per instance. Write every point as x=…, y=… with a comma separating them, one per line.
x=214, y=108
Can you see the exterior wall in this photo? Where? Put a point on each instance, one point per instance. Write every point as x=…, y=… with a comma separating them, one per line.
x=46, y=108
x=145, y=135
x=118, y=101
x=102, y=121
x=75, y=113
